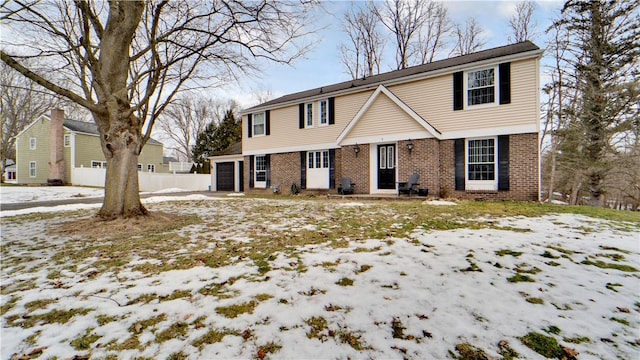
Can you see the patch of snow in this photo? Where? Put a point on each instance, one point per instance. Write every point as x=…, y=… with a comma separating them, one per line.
x=22, y=194
x=439, y=203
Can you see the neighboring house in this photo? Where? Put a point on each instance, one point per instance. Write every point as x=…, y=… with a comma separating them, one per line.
x=9, y=175
x=467, y=125
x=77, y=144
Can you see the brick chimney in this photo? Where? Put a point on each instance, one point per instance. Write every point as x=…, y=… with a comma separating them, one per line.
x=56, y=148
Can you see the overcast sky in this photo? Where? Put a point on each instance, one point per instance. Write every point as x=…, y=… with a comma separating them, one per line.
x=322, y=66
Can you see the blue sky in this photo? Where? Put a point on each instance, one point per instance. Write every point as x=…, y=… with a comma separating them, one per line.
x=322, y=65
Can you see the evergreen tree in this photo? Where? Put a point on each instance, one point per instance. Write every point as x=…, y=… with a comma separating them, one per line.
x=216, y=138
x=604, y=49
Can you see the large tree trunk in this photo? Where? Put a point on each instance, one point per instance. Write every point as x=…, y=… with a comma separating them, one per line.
x=122, y=146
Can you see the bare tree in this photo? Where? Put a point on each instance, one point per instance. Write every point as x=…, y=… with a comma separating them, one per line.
x=21, y=102
x=521, y=23
x=431, y=38
x=129, y=59
x=404, y=19
x=183, y=120
x=363, y=56
x=468, y=37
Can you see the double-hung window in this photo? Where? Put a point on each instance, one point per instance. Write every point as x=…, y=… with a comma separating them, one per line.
x=481, y=87
x=32, y=143
x=481, y=164
x=32, y=169
x=151, y=167
x=67, y=140
x=139, y=167
x=308, y=114
x=259, y=124
x=324, y=112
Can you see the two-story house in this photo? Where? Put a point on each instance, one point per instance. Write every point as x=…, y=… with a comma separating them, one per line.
x=468, y=125
x=69, y=144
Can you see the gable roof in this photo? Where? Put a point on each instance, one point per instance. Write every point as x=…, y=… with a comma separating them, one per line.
x=354, y=85
x=92, y=129
x=383, y=90
x=83, y=127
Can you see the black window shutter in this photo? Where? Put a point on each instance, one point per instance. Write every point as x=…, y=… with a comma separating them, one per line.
x=332, y=168
x=503, y=162
x=332, y=111
x=250, y=125
x=267, y=164
x=301, y=116
x=457, y=91
x=303, y=169
x=504, y=71
x=251, y=161
x=267, y=122
x=459, y=163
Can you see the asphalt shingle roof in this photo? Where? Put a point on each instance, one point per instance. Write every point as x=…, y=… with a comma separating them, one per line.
x=506, y=50
x=92, y=128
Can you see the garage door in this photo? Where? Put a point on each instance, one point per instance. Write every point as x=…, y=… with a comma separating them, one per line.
x=224, y=176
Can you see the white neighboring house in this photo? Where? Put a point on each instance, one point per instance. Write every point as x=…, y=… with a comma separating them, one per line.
x=9, y=173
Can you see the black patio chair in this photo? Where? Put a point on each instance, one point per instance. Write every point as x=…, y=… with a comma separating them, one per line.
x=410, y=186
x=346, y=186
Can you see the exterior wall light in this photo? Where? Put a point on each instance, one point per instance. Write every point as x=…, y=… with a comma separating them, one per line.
x=410, y=145
x=356, y=149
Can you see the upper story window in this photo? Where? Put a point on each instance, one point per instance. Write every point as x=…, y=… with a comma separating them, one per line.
x=139, y=167
x=324, y=112
x=258, y=124
x=32, y=143
x=308, y=115
x=67, y=140
x=151, y=168
x=481, y=87
x=489, y=86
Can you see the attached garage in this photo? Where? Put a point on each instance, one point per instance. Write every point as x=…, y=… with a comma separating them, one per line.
x=226, y=169
x=224, y=176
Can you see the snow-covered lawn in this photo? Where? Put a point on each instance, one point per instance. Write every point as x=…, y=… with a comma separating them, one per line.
x=322, y=279
x=25, y=194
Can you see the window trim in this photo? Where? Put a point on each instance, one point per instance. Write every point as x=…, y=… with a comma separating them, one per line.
x=259, y=184
x=481, y=185
x=151, y=168
x=67, y=140
x=326, y=112
x=33, y=169
x=496, y=88
x=139, y=167
x=33, y=143
x=254, y=123
x=307, y=118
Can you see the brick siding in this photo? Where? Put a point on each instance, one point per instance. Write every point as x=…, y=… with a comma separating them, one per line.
x=432, y=159
x=524, y=179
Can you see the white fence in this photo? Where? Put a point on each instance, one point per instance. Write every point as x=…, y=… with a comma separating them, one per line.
x=148, y=181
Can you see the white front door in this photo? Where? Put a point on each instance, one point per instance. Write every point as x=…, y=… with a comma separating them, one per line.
x=318, y=169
